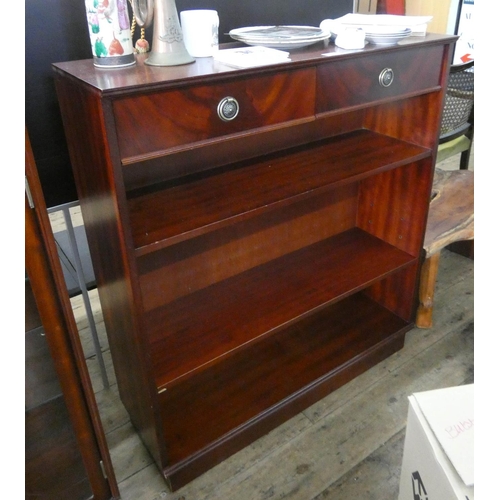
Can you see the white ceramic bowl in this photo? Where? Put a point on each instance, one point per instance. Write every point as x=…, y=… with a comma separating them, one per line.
x=386, y=39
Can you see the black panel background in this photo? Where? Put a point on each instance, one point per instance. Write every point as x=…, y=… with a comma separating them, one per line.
x=56, y=30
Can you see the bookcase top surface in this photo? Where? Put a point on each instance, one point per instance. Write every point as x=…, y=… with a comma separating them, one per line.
x=119, y=80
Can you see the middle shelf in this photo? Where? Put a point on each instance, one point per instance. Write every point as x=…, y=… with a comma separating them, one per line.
x=260, y=301
x=192, y=206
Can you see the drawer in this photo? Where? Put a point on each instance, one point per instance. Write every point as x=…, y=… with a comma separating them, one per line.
x=150, y=124
x=377, y=76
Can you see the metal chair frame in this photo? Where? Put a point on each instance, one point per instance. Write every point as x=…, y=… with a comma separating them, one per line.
x=458, y=114
x=76, y=270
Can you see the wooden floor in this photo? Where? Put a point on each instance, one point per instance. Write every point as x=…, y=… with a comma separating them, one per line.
x=347, y=446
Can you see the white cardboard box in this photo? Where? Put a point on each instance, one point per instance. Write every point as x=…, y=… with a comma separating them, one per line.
x=438, y=457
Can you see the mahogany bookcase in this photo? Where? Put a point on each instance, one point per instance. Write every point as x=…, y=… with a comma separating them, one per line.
x=256, y=234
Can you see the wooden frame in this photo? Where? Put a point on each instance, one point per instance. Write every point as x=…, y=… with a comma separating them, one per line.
x=49, y=290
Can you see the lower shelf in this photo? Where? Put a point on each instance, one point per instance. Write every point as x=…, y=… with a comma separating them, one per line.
x=226, y=407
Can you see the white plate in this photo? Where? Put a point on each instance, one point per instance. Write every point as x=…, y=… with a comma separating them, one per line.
x=280, y=37
x=285, y=45
x=387, y=39
x=381, y=40
x=386, y=30
x=275, y=33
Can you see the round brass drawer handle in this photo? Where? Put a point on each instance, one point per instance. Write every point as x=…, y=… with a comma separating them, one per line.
x=228, y=108
x=386, y=77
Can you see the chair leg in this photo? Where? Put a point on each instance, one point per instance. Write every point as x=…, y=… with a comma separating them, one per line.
x=465, y=156
x=426, y=291
x=464, y=160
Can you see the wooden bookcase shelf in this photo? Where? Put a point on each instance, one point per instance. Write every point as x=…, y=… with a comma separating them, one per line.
x=237, y=311
x=247, y=268
x=193, y=206
x=312, y=352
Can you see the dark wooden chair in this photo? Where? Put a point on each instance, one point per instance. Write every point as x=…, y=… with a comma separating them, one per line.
x=451, y=220
x=457, y=123
x=451, y=212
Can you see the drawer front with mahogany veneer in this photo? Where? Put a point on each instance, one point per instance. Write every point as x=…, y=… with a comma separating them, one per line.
x=355, y=82
x=155, y=122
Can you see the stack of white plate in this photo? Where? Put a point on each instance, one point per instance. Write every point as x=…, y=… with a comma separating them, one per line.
x=386, y=35
x=280, y=37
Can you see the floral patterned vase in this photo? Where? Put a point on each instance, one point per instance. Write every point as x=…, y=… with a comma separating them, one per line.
x=109, y=29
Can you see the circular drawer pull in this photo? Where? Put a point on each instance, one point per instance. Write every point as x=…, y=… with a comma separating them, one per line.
x=386, y=77
x=228, y=109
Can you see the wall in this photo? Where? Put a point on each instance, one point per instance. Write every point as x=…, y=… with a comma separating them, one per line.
x=55, y=30
x=438, y=9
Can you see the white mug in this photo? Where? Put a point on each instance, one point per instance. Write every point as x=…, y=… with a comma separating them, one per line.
x=200, y=29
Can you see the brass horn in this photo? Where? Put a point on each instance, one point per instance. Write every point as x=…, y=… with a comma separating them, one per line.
x=168, y=47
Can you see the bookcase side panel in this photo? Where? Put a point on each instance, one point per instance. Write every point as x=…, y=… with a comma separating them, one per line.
x=92, y=161
x=393, y=206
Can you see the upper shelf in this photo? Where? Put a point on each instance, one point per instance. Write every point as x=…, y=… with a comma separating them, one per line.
x=190, y=207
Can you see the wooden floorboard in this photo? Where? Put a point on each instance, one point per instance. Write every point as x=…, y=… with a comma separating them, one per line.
x=348, y=446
